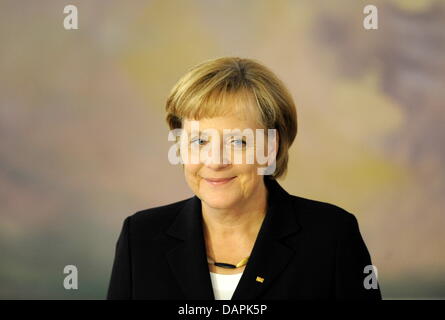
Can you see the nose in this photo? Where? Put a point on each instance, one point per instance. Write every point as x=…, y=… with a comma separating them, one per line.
x=215, y=158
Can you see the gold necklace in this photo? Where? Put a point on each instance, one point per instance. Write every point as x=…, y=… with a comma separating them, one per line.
x=228, y=265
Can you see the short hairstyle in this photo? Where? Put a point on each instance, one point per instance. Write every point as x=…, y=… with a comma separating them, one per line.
x=203, y=92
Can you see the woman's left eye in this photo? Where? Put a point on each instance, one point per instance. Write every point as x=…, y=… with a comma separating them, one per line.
x=239, y=142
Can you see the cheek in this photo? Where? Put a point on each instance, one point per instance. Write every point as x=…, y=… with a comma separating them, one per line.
x=191, y=174
x=248, y=178
x=191, y=169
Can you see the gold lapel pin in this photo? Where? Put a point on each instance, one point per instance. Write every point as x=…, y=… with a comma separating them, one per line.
x=259, y=279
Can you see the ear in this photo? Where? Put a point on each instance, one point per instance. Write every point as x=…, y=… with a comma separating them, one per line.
x=277, y=140
x=273, y=140
x=272, y=154
x=277, y=143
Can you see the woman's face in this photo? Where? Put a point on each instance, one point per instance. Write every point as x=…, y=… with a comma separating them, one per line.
x=218, y=184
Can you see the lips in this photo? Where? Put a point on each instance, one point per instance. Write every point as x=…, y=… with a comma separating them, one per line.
x=218, y=181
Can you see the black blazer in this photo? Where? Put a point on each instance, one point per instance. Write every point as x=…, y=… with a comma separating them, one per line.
x=305, y=249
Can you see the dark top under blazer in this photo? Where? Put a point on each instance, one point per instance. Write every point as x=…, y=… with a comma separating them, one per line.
x=305, y=249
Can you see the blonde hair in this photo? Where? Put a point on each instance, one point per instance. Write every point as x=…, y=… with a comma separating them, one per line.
x=206, y=88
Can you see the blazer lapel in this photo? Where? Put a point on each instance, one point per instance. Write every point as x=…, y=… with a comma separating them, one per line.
x=269, y=256
x=188, y=259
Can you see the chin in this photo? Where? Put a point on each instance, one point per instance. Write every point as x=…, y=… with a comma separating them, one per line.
x=218, y=201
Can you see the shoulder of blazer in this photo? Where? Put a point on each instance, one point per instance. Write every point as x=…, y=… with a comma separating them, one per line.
x=155, y=219
x=325, y=217
x=315, y=209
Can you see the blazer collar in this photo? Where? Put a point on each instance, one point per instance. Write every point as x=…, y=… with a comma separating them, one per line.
x=268, y=258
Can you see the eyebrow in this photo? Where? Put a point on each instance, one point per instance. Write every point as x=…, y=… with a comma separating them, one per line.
x=233, y=129
x=203, y=135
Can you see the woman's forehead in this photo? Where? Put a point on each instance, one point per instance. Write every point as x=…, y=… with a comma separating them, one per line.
x=230, y=121
x=218, y=104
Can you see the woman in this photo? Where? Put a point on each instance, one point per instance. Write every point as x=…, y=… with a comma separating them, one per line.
x=242, y=236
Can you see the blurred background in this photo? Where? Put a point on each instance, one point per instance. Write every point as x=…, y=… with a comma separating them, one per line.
x=83, y=140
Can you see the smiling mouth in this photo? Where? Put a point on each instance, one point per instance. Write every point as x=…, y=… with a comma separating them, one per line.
x=219, y=181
